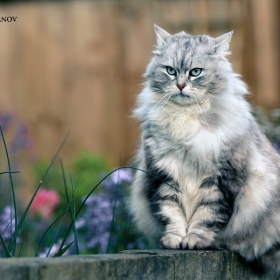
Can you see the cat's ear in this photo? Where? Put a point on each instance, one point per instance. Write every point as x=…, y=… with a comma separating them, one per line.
x=161, y=34
x=222, y=43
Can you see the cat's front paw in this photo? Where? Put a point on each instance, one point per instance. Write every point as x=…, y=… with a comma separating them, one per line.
x=196, y=242
x=170, y=241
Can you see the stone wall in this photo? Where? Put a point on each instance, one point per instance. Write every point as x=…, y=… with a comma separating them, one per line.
x=146, y=264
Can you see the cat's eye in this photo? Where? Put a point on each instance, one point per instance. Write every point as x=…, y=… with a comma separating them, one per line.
x=171, y=71
x=195, y=72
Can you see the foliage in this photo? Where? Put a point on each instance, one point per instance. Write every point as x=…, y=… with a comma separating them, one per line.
x=269, y=122
x=85, y=171
x=18, y=141
x=106, y=225
x=72, y=210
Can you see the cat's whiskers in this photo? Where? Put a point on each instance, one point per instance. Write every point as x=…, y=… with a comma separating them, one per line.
x=195, y=97
x=197, y=103
x=164, y=102
x=161, y=102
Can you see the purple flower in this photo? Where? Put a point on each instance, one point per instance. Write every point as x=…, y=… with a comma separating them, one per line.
x=122, y=175
x=96, y=220
x=53, y=250
x=5, y=120
x=21, y=139
x=130, y=245
x=7, y=223
x=114, y=184
x=101, y=209
x=7, y=226
x=106, y=223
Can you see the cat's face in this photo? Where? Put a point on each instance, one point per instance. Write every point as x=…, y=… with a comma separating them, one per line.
x=188, y=70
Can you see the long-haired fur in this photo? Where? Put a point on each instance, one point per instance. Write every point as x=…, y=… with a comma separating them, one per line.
x=213, y=178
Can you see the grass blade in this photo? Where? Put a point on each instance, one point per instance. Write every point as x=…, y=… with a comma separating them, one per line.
x=65, y=182
x=111, y=226
x=61, y=223
x=73, y=216
x=12, y=245
x=45, y=233
x=33, y=244
x=56, y=235
x=62, y=251
x=83, y=202
x=10, y=222
x=5, y=247
x=74, y=208
x=2, y=222
x=47, y=230
x=38, y=187
x=113, y=216
x=20, y=249
x=5, y=172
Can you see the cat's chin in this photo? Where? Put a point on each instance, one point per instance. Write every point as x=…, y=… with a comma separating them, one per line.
x=184, y=100
x=181, y=95
x=190, y=105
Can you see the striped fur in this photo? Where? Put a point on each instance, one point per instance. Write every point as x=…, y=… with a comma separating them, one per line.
x=213, y=178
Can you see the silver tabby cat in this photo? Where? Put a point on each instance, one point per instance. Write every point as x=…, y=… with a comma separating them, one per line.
x=213, y=179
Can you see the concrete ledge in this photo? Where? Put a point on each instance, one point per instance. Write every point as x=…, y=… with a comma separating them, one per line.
x=145, y=264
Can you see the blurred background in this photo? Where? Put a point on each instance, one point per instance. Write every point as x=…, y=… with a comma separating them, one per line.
x=78, y=65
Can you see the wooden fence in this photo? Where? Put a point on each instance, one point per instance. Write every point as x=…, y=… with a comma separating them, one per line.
x=77, y=65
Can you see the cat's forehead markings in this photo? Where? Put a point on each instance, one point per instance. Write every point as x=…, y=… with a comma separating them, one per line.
x=183, y=48
x=183, y=59
x=185, y=55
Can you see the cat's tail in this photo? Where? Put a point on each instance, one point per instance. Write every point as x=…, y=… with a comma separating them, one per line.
x=268, y=264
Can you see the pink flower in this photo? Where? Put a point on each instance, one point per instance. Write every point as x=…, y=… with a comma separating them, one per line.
x=45, y=202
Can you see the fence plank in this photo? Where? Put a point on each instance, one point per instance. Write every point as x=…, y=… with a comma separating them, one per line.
x=78, y=65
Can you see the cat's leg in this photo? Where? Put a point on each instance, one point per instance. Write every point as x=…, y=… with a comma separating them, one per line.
x=156, y=211
x=141, y=210
x=174, y=220
x=211, y=216
x=167, y=211
x=161, y=193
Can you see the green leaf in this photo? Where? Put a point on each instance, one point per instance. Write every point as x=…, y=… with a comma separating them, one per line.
x=5, y=247
x=32, y=198
x=34, y=246
x=12, y=245
x=62, y=251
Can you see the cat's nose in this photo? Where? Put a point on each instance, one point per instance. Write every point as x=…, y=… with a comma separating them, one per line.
x=180, y=86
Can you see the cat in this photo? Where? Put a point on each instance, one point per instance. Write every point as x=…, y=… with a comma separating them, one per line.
x=208, y=177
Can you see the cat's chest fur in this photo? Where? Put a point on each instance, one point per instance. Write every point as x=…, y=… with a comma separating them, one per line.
x=186, y=158
x=184, y=149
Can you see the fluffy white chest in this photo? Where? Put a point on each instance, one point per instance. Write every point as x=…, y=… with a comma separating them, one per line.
x=203, y=141
x=188, y=159
x=180, y=166
x=178, y=161
x=186, y=148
